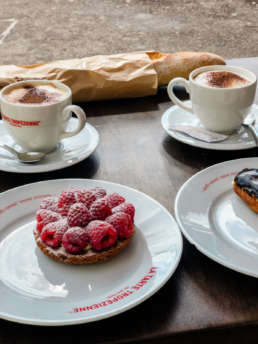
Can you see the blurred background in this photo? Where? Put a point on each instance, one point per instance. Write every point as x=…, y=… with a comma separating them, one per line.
x=45, y=30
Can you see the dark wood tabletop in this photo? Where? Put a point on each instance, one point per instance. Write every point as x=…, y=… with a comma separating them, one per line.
x=203, y=301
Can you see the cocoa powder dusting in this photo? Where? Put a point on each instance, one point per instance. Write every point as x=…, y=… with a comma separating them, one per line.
x=33, y=96
x=223, y=79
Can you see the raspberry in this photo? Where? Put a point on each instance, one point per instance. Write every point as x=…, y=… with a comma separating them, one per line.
x=127, y=208
x=44, y=217
x=78, y=215
x=101, y=234
x=53, y=232
x=114, y=199
x=49, y=203
x=75, y=240
x=85, y=196
x=98, y=192
x=99, y=209
x=66, y=199
x=122, y=223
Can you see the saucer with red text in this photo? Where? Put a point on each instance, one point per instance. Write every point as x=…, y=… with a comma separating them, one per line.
x=38, y=290
x=173, y=116
x=70, y=151
x=214, y=219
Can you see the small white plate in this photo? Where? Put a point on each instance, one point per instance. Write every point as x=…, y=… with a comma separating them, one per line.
x=37, y=290
x=241, y=139
x=70, y=151
x=214, y=219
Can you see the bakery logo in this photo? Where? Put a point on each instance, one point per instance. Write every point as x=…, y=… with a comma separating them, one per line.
x=214, y=180
x=22, y=201
x=18, y=123
x=120, y=295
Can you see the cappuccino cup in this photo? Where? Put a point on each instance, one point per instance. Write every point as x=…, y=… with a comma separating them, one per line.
x=221, y=96
x=36, y=113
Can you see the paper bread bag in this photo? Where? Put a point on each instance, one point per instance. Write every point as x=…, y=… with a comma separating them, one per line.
x=127, y=75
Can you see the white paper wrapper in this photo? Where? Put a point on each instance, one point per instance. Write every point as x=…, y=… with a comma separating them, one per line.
x=199, y=133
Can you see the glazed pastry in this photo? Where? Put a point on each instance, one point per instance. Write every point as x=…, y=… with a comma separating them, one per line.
x=246, y=187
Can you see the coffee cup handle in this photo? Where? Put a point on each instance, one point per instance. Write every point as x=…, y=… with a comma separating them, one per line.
x=173, y=97
x=80, y=114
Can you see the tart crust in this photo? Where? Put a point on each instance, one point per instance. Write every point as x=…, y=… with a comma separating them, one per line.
x=89, y=257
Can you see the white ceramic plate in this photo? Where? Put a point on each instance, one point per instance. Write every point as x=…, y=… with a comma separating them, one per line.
x=241, y=139
x=37, y=290
x=214, y=219
x=71, y=151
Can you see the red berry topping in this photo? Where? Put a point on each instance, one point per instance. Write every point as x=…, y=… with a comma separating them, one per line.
x=49, y=203
x=85, y=196
x=122, y=223
x=66, y=199
x=100, y=209
x=44, y=217
x=53, y=232
x=75, y=240
x=127, y=208
x=98, y=192
x=101, y=234
x=78, y=215
x=114, y=199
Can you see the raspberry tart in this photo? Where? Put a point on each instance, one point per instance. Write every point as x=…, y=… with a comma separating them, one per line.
x=84, y=226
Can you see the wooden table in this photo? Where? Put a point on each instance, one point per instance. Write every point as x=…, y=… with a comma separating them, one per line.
x=203, y=301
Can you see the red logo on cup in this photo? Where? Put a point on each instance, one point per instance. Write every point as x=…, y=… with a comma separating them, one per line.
x=17, y=123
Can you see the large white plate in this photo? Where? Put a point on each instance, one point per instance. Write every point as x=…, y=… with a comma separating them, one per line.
x=37, y=290
x=214, y=219
x=70, y=151
x=241, y=139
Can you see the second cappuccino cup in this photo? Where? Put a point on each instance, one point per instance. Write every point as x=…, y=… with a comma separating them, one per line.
x=220, y=104
x=36, y=113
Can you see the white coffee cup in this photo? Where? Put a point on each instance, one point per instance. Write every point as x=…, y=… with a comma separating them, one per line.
x=40, y=127
x=218, y=109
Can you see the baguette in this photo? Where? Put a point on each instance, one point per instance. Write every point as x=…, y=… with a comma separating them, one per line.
x=128, y=75
x=181, y=64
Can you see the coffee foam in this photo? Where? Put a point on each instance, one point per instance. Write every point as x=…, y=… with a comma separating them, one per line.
x=35, y=94
x=221, y=79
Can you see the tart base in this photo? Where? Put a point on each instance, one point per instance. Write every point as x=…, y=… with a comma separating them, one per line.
x=90, y=257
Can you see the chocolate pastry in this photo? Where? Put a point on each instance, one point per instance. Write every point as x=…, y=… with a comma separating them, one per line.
x=246, y=187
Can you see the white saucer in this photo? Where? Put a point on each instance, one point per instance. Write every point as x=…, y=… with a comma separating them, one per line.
x=37, y=290
x=241, y=139
x=214, y=219
x=70, y=151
